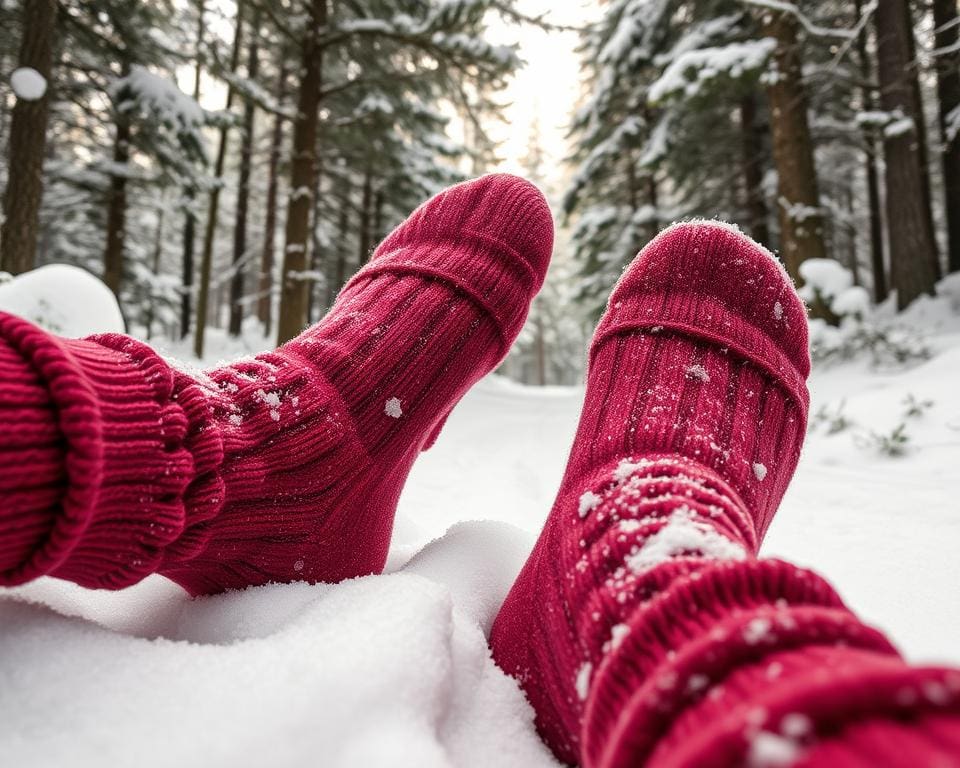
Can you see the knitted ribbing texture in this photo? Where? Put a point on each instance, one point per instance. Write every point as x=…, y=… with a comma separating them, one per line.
x=643, y=628
x=286, y=466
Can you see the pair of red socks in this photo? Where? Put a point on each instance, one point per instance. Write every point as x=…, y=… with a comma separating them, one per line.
x=643, y=628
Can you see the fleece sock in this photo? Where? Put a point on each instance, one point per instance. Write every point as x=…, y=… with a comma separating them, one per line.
x=286, y=466
x=643, y=628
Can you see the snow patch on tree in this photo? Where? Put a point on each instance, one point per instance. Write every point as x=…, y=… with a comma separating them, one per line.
x=28, y=84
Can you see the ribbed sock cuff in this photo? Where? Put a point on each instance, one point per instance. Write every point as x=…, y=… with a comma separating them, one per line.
x=676, y=683
x=123, y=456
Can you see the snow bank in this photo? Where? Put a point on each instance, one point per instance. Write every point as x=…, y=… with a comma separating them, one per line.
x=62, y=298
x=382, y=671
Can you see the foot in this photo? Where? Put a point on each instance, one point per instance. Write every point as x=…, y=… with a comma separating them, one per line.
x=693, y=419
x=289, y=465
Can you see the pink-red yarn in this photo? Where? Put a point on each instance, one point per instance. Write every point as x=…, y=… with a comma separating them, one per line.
x=644, y=629
x=286, y=466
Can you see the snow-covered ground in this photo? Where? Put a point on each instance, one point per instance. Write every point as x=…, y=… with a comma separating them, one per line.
x=393, y=670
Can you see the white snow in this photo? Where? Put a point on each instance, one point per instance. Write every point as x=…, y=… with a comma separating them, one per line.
x=698, y=372
x=588, y=503
x=28, y=84
x=392, y=408
x=690, y=70
x=372, y=668
x=684, y=532
x=582, y=682
x=759, y=470
x=63, y=299
x=770, y=750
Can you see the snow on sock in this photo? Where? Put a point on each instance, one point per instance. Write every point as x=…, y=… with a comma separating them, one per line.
x=643, y=599
x=282, y=467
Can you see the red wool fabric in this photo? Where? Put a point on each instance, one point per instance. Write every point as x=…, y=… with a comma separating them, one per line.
x=286, y=466
x=643, y=628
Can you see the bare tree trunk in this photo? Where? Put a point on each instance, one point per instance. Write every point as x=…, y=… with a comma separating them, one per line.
x=752, y=159
x=190, y=218
x=206, y=259
x=265, y=304
x=316, y=246
x=877, y=266
x=157, y=253
x=912, y=251
x=379, y=200
x=798, y=199
x=541, y=349
x=303, y=173
x=117, y=203
x=243, y=190
x=26, y=149
x=920, y=119
x=366, y=201
x=340, y=266
x=946, y=37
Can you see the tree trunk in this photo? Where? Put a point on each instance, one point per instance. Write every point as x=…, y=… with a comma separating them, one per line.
x=316, y=247
x=541, y=349
x=946, y=36
x=920, y=119
x=379, y=201
x=340, y=266
x=799, y=212
x=206, y=259
x=265, y=289
x=25, y=152
x=366, y=202
x=190, y=217
x=243, y=190
x=752, y=158
x=155, y=266
x=878, y=268
x=117, y=203
x=303, y=173
x=912, y=251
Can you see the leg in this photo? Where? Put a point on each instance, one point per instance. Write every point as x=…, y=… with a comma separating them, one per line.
x=643, y=627
x=286, y=466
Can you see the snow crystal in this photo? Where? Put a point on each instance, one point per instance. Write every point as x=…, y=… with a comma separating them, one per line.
x=582, y=682
x=770, y=750
x=777, y=311
x=683, y=533
x=236, y=419
x=626, y=467
x=617, y=634
x=392, y=408
x=796, y=725
x=588, y=503
x=759, y=470
x=28, y=84
x=698, y=372
x=697, y=683
x=272, y=401
x=757, y=631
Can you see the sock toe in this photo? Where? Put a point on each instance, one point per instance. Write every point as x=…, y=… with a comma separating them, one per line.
x=491, y=238
x=708, y=280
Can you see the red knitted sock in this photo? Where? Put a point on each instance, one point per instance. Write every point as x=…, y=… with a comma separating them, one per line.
x=285, y=466
x=643, y=628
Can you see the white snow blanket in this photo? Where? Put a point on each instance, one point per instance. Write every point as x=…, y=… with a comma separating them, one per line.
x=393, y=670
